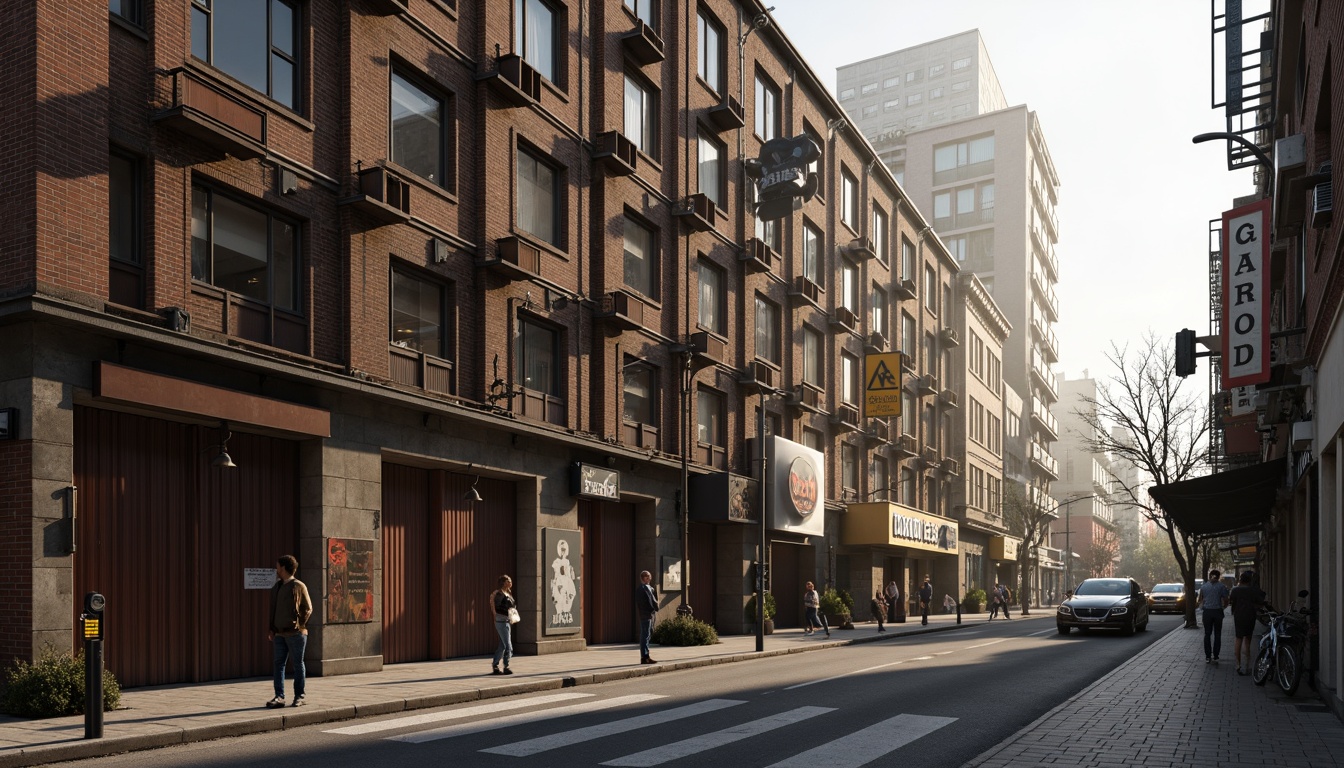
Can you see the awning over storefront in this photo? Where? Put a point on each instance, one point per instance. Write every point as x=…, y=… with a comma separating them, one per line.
x=1228, y=502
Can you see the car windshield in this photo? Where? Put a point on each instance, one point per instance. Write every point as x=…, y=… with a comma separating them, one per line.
x=1103, y=587
x=1167, y=588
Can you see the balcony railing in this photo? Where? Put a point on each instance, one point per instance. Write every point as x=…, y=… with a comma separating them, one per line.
x=1046, y=377
x=1042, y=458
x=1041, y=413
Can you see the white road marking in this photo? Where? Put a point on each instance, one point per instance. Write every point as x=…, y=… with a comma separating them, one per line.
x=698, y=744
x=456, y=714
x=1044, y=632
x=847, y=674
x=523, y=718
x=943, y=653
x=867, y=745
x=580, y=735
x=921, y=658
x=991, y=642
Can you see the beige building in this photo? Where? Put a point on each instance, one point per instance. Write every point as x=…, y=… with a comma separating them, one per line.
x=1086, y=488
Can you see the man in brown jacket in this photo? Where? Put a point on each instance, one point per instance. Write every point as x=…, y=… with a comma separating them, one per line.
x=290, y=609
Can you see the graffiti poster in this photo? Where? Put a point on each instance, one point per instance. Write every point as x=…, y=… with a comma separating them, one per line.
x=560, y=564
x=349, y=581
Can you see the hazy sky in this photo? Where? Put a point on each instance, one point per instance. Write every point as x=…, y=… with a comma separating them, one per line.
x=1120, y=88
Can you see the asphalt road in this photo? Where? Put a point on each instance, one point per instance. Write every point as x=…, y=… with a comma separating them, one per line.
x=931, y=700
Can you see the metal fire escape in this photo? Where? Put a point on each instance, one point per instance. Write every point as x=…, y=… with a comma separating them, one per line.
x=1243, y=64
x=1219, y=400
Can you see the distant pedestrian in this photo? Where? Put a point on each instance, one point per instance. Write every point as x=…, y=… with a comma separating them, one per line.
x=893, y=595
x=949, y=604
x=879, y=609
x=291, y=607
x=925, y=597
x=1245, y=600
x=505, y=609
x=995, y=601
x=646, y=605
x=1006, y=598
x=811, y=606
x=1213, y=599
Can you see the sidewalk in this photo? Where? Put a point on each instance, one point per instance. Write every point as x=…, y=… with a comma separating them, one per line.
x=178, y=714
x=1150, y=711
x=1155, y=709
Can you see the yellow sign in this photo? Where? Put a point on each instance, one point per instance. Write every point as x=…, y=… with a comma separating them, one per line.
x=91, y=628
x=882, y=390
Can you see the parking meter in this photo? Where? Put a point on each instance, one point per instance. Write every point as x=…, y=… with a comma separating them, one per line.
x=92, y=619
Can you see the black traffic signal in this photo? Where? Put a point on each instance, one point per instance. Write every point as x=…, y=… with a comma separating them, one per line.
x=1185, y=352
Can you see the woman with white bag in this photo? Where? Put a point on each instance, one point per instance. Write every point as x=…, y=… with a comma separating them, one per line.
x=506, y=615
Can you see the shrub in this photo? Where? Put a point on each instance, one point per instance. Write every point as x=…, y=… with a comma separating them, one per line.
x=750, y=610
x=833, y=602
x=684, y=630
x=52, y=686
x=973, y=597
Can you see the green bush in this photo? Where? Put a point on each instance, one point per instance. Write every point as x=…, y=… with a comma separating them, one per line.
x=52, y=686
x=833, y=603
x=684, y=630
x=973, y=597
x=750, y=610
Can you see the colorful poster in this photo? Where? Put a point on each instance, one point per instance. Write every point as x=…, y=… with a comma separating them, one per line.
x=349, y=595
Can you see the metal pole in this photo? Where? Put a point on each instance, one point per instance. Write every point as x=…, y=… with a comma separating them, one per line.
x=685, y=609
x=765, y=502
x=93, y=688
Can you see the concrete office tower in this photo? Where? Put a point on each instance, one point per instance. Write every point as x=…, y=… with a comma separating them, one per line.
x=1088, y=486
x=982, y=172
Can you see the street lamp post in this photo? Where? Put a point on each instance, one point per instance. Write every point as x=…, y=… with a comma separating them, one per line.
x=763, y=391
x=687, y=373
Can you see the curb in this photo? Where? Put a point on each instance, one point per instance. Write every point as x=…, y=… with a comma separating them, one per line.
x=173, y=735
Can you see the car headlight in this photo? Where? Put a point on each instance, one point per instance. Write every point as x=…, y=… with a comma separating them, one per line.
x=1119, y=609
x=1065, y=610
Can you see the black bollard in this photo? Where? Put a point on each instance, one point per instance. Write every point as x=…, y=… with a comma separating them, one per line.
x=92, y=618
x=958, y=611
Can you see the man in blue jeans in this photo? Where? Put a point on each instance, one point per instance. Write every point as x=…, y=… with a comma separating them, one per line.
x=646, y=605
x=291, y=608
x=1213, y=599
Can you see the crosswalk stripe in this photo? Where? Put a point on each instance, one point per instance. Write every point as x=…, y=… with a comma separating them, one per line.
x=523, y=718
x=456, y=714
x=698, y=744
x=580, y=735
x=862, y=747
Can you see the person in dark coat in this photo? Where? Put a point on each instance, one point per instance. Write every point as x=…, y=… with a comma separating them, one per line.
x=879, y=609
x=646, y=605
x=925, y=597
x=1245, y=600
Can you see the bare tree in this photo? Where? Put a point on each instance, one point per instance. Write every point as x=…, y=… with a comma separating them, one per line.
x=1027, y=514
x=1162, y=430
x=1099, y=558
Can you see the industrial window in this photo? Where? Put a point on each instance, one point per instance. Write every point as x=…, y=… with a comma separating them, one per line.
x=711, y=51
x=245, y=250
x=767, y=109
x=641, y=258
x=767, y=330
x=849, y=378
x=812, y=253
x=534, y=36
x=643, y=10
x=709, y=418
x=255, y=41
x=419, y=314
x=813, y=349
x=130, y=10
x=641, y=115
x=639, y=403
x=849, y=199
x=849, y=468
x=713, y=298
x=538, y=197
x=126, y=230
x=710, y=178
x=538, y=354
x=419, y=129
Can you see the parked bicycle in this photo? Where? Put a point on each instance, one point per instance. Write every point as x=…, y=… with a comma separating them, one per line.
x=1282, y=648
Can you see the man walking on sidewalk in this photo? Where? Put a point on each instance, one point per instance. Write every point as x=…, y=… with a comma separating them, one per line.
x=1213, y=599
x=925, y=597
x=291, y=608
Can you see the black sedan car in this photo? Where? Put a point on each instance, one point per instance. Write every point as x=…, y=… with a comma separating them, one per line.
x=1107, y=603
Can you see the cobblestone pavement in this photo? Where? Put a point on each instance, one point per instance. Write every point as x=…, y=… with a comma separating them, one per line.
x=1167, y=708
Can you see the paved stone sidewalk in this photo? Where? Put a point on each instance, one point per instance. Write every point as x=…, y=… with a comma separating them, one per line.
x=178, y=714
x=1167, y=708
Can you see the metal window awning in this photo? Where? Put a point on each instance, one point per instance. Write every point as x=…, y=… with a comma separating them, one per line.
x=1225, y=503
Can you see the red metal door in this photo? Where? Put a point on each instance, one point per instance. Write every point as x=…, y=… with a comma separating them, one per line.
x=406, y=557
x=166, y=537
x=479, y=544
x=609, y=572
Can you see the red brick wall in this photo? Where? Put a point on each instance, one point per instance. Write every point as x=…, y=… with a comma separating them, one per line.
x=16, y=551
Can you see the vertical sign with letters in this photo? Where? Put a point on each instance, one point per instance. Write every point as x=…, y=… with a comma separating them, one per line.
x=1245, y=321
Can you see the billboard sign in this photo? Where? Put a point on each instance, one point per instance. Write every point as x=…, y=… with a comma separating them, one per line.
x=797, y=487
x=1246, y=299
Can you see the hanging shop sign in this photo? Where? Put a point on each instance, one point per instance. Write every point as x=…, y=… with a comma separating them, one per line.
x=796, y=485
x=562, y=613
x=1246, y=299
x=723, y=497
x=883, y=523
x=1003, y=547
x=591, y=482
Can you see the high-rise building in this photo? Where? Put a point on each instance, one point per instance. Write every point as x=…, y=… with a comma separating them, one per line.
x=982, y=172
x=1086, y=491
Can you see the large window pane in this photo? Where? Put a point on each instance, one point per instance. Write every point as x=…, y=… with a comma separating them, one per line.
x=638, y=404
x=639, y=115
x=124, y=197
x=417, y=314
x=767, y=330
x=417, y=129
x=537, y=358
x=244, y=250
x=812, y=351
x=709, y=426
x=640, y=269
x=812, y=253
x=537, y=196
x=255, y=41
x=534, y=30
x=710, y=56
x=710, y=175
x=711, y=298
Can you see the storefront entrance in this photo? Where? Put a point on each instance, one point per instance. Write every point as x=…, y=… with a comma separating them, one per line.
x=609, y=571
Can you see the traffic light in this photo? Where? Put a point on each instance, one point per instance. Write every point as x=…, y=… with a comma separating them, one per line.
x=1185, y=352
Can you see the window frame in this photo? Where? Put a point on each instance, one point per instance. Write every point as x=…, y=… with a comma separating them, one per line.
x=718, y=193
x=646, y=140
x=213, y=194
x=556, y=237
x=652, y=405
x=444, y=99
x=849, y=198
x=205, y=10
x=713, y=79
x=650, y=259
x=524, y=359
x=849, y=379
x=131, y=216
x=522, y=42
x=767, y=117
x=398, y=271
x=717, y=322
x=813, y=350
x=129, y=11
x=812, y=258
x=768, y=343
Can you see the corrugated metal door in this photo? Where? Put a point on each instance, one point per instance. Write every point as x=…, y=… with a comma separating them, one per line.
x=406, y=557
x=704, y=574
x=442, y=557
x=609, y=572
x=166, y=538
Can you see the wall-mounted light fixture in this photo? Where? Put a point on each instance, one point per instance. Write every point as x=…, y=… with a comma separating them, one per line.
x=472, y=494
x=223, y=460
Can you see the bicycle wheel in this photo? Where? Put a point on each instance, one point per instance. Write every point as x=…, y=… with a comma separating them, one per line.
x=1264, y=663
x=1288, y=669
